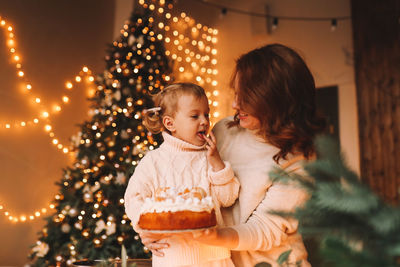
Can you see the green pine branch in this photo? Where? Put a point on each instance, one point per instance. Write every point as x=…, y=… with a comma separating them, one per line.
x=351, y=224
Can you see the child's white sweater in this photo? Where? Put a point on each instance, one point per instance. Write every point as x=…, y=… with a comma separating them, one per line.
x=179, y=164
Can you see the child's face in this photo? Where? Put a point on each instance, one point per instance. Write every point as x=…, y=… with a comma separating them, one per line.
x=191, y=120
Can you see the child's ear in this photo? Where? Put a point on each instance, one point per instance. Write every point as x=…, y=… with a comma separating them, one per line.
x=169, y=123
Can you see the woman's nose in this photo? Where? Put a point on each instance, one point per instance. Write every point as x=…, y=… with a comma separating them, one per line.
x=235, y=104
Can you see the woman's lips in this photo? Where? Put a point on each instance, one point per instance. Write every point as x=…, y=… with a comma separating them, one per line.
x=242, y=116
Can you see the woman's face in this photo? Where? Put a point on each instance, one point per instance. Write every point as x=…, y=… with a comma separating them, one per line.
x=247, y=121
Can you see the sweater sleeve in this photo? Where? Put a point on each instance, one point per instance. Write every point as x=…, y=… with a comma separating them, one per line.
x=137, y=191
x=224, y=185
x=264, y=230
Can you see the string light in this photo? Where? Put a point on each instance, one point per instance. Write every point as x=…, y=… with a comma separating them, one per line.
x=333, y=24
x=44, y=115
x=43, y=112
x=23, y=217
x=191, y=48
x=224, y=10
x=275, y=22
x=194, y=58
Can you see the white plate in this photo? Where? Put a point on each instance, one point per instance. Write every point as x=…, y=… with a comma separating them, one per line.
x=175, y=231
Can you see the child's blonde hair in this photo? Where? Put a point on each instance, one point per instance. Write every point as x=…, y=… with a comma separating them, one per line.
x=166, y=104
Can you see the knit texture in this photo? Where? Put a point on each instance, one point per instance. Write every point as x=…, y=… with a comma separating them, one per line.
x=179, y=164
x=262, y=235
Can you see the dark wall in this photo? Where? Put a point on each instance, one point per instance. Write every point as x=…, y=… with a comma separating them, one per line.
x=376, y=30
x=54, y=39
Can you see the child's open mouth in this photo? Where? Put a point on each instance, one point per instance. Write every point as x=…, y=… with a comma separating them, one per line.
x=202, y=134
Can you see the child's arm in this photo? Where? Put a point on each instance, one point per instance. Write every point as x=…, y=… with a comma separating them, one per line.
x=137, y=191
x=224, y=185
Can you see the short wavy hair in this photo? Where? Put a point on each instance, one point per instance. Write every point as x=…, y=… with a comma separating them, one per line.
x=274, y=84
x=167, y=103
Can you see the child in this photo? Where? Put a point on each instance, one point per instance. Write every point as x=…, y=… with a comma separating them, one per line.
x=187, y=158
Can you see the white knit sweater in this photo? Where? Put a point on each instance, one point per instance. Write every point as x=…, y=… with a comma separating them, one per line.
x=179, y=164
x=262, y=236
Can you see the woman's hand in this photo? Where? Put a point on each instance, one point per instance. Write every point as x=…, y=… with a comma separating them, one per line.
x=213, y=156
x=206, y=236
x=154, y=242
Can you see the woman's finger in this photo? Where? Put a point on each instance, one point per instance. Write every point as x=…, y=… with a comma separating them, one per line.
x=157, y=247
x=154, y=250
x=157, y=253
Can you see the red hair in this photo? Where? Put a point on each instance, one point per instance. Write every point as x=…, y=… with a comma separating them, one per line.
x=274, y=84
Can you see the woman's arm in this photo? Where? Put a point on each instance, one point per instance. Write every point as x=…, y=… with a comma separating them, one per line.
x=262, y=230
x=221, y=237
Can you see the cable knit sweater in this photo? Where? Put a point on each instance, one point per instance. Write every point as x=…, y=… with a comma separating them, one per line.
x=179, y=164
x=262, y=235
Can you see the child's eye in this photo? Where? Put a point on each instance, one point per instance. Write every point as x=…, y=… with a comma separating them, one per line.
x=194, y=116
x=207, y=115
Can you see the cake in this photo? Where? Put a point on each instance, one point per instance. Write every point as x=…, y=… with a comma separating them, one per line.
x=174, y=209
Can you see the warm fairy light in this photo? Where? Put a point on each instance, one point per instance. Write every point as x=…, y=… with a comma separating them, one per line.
x=47, y=128
x=21, y=74
x=191, y=56
x=23, y=217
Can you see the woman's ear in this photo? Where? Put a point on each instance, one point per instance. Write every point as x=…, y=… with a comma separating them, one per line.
x=169, y=123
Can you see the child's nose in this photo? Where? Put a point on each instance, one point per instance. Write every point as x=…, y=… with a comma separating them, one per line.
x=204, y=121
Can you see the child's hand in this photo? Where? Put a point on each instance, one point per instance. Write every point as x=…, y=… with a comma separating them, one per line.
x=212, y=153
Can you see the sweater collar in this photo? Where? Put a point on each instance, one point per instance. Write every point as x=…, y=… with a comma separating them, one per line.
x=175, y=144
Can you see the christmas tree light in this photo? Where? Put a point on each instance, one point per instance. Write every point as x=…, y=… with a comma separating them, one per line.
x=89, y=219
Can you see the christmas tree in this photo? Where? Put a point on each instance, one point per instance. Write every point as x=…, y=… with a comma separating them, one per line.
x=348, y=222
x=89, y=220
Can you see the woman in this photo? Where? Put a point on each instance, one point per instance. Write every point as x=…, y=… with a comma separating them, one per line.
x=274, y=125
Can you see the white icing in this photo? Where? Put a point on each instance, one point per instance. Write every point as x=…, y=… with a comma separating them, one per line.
x=174, y=202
